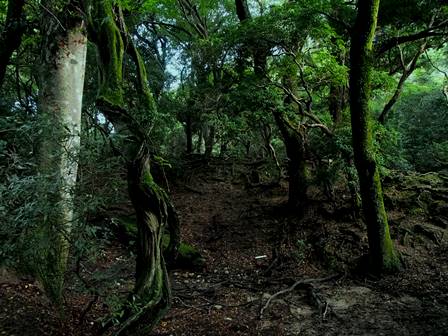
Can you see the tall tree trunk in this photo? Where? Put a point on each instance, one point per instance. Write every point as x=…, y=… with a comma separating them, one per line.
x=266, y=134
x=242, y=10
x=209, y=141
x=11, y=36
x=259, y=53
x=60, y=103
x=151, y=294
x=382, y=253
x=337, y=102
x=242, y=60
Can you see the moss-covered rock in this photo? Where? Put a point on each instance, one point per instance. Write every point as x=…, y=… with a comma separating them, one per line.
x=188, y=257
x=419, y=194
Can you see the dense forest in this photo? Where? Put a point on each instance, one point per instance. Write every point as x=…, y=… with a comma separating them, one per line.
x=233, y=167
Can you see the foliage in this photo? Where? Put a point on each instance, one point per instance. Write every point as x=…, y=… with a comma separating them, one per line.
x=422, y=120
x=201, y=71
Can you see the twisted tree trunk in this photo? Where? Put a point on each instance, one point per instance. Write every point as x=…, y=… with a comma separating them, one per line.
x=151, y=296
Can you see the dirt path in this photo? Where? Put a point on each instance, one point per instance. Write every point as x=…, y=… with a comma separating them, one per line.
x=237, y=228
x=233, y=226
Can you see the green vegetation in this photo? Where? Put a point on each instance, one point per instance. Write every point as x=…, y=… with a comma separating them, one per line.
x=106, y=105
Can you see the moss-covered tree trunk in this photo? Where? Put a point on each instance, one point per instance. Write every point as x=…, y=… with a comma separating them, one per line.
x=382, y=253
x=61, y=84
x=151, y=295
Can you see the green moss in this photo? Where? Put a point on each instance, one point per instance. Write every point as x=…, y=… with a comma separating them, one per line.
x=129, y=226
x=391, y=262
x=147, y=98
x=188, y=255
x=383, y=257
x=110, y=47
x=149, y=183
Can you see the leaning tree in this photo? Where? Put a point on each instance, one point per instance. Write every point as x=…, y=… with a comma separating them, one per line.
x=151, y=294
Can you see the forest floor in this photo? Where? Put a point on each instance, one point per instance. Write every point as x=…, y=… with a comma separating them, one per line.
x=267, y=271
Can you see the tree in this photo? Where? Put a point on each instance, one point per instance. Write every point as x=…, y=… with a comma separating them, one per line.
x=151, y=295
x=63, y=62
x=11, y=36
x=383, y=256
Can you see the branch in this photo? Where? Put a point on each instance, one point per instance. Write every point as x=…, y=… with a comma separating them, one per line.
x=407, y=71
x=188, y=10
x=54, y=16
x=348, y=28
x=305, y=113
x=169, y=25
x=321, y=126
x=395, y=41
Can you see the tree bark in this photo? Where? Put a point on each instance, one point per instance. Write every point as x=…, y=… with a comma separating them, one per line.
x=60, y=103
x=382, y=253
x=259, y=53
x=337, y=102
x=11, y=36
x=297, y=171
x=242, y=10
x=209, y=141
x=151, y=296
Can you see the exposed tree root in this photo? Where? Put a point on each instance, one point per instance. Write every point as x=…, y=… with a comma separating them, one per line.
x=291, y=288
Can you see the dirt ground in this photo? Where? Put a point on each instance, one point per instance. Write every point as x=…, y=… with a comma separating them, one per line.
x=267, y=271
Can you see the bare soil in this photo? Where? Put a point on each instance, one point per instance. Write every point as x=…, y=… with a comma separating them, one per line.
x=268, y=271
